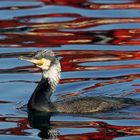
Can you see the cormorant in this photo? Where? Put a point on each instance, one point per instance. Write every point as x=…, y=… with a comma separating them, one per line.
x=51, y=69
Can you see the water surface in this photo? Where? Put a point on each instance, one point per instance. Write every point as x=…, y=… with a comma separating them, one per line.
x=98, y=44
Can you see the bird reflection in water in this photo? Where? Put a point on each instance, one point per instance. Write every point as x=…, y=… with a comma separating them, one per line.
x=50, y=130
x=41, y=121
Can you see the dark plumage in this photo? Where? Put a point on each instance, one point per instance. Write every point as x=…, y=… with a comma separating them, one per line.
x=40, y=99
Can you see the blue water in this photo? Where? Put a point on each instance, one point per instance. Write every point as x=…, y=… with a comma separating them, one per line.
x=99, y=50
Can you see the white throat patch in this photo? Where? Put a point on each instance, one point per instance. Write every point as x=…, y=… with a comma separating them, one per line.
x=53, y=74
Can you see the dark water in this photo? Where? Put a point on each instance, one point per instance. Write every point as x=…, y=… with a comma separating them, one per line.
x=98, y=42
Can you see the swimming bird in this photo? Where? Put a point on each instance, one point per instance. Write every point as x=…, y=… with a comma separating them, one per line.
x=41, y=97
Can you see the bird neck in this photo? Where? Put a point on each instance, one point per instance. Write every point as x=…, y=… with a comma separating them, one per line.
x=40, y=99
x=41, y=95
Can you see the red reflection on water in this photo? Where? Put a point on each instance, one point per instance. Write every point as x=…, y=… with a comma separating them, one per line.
x=94, y=5
x=127, y=37
x=72, y=60
x=22, y=124
x=43, y=37
x=26, y=32
x=103, y=130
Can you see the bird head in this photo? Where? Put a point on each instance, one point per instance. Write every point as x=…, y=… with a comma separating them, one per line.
x=42, y=59
x=49, y=65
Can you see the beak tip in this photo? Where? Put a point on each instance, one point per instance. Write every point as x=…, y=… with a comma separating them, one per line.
x=20, y=57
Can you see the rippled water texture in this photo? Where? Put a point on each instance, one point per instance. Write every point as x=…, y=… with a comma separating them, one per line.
x=98, y=43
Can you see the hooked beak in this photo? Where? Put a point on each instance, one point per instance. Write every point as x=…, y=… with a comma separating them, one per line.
x=29, y=59
x=41, y=63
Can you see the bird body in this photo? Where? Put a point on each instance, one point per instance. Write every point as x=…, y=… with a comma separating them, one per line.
x=41, y=97
x=92, y=104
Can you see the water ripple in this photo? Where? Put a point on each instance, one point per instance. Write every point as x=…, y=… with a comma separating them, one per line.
x=98, y=44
